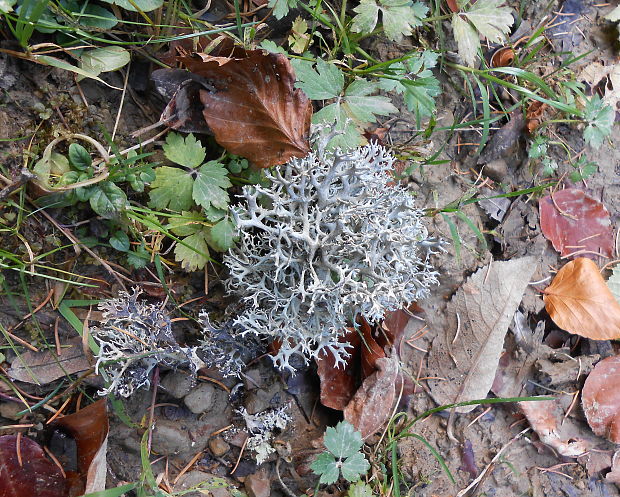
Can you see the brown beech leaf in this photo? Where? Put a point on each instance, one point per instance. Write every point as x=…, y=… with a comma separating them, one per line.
x=543, y=419
x=577, y=225
x=88, y=427
x=29, y=472
x=254, y=110
x=372, y=404
x=503, y=57
x=579, y=301
x=469, y=340
x=600, y=399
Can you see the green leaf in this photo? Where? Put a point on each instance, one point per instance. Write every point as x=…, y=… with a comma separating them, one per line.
x=188, y=223
x=538, y=148
x=79, y=157
x=138, y=258
x=350, y=136
x=271, y=46
x=120, y=241
x=343, y=441
x=193, y=254
x=600, y=118
x=214, y=214
x=325, y=466
x=143, y=5
x=281, y=7
x=362, y=107
x=399, y=17
x=171, y=189
x=106, y=59
x=360, y=489
x=54, y=164
x=467, y=39
x=210, y=186
x=222, y=235
x=97, y=17
x=326, y=82
x=7, y=6
x=187, y=152
x=355, y=466
x=490, y=19
x=108, y=200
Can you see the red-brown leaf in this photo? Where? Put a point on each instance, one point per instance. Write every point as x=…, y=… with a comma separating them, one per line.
x=35, y=476
x=255, y=110
x=577, y=225
x=601, y=399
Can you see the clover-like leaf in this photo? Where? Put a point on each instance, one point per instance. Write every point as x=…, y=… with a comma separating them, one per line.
x=281, y=7
x=600, y=118
x=171, y=189
x=186, y=151
x=222, y=235
x=193, y=253
x=325, y=465
x=322, y=83
x=343, y=441
x=399, y=17
x=210, y=186
x=355, y=466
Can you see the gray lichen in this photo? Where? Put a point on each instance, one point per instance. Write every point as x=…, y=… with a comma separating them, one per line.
x=133, y=338
x=262, y=428
x=328, y=240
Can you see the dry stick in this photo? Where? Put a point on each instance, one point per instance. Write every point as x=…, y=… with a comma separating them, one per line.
x=56, y=461
x=187, y=467
x=245, y=442
x=24, y=177
x=56, y=337
x=120, y=107
x=35, y=310
x=18, y=448
x=59, y=411
x=287, y=490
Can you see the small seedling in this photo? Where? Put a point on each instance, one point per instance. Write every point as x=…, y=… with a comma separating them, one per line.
x=343, y=456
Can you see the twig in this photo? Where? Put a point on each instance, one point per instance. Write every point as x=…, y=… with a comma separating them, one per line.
x=24, y=177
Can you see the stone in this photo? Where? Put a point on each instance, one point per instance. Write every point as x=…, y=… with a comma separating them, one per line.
x=170, y=437
x=195, y=478
x=497, y=170
x=258, y=484
x=201, y=399
x=218, y=446
x=9, y=410
x=177, y=384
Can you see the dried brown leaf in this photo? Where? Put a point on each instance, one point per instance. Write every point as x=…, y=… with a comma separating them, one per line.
x=601, y=399
x=255, y=110
x=465, y=357
x=579, y=301
x=373, y=403
x=577, y=225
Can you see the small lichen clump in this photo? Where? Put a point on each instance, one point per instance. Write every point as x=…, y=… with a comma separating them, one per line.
x=262, y=428
x=330, y=238
x=133, y=338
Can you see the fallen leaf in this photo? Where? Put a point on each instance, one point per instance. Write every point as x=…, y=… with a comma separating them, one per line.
x=576, y=224
x=44, y=367
x=600, y=399
x=503, y=57
x=372, y=404
x=254, y=110
x=579, y=301
x=607, y=78
x=543, y=420
x=467, y=348
x=89, y=428
x=29, y=473
x=534, y=115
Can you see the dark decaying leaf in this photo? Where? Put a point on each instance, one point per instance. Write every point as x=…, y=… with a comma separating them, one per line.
x=254, y=111
x=577, y=225
x=29, y=472
x=88, y=427
x=601, y=399
x=470, y=338
x=44, y=367
x=372, y=404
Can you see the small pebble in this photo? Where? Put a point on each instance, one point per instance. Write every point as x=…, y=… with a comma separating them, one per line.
x=201, y=398
x=218, y=446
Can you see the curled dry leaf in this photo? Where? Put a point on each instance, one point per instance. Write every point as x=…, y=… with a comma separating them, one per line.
x=601, y=399
x=503, y=57
x=534, y=115
x=577, y=225
x=543, y=420
x=25, y=470
x=579, y=301
x=372, y=404
x=470, y=339
x=253, y=109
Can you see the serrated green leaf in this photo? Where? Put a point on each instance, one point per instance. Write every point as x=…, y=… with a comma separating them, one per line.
x=365, y=108
x=214, y=214
x=366, y=18
x=105, y=59
x=120, y=241
x=281, y=7
x=108, y=200
x=467, y=39
x=325, y=466
x=399, y=17
x=195, y=254
x=538, y=148
x=271, y=46
x=210, y=186
x=171, y=189
x=326, y=82
x=343, y=441
x=600, y=118
x=355, y=466
x=187, y=152
x=491, y=19
x=79, y=157
x=143, y=5
x=222, y=235
x=349, y=136
x=360, y=489
x=614, y=282
x=187, y=224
